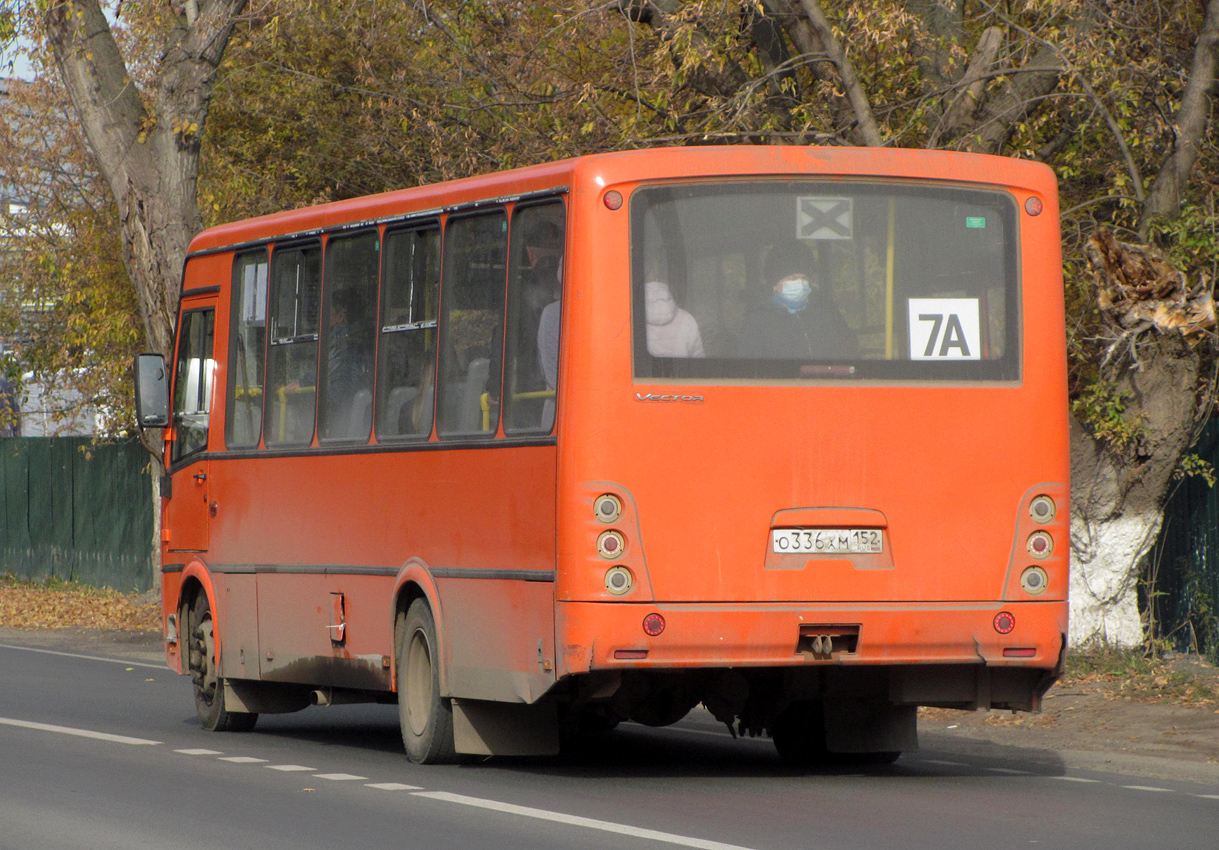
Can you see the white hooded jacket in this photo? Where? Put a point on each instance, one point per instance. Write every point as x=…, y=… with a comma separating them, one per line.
x=672, y=332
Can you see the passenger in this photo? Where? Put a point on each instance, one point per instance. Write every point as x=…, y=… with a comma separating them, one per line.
x=548, y=343
x=672, y=332
x=346, y=367
x=798, y=321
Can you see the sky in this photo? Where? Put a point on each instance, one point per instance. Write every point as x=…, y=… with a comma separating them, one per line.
x=14, y=63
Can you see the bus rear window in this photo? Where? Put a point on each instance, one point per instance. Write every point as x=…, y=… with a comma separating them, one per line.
x=824, y=280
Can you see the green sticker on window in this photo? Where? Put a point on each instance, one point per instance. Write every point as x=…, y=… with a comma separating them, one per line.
x=975, y=222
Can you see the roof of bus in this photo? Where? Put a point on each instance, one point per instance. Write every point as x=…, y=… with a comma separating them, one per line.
x=602, y=170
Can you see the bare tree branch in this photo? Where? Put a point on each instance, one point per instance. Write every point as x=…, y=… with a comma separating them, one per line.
x=971, y=86
x=1164, y=199
x=850, y=81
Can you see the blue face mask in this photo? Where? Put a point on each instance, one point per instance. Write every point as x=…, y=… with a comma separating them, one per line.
x=792, y=294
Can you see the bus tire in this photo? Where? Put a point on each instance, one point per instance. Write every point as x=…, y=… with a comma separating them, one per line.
x=425, y=716
x=203, y=663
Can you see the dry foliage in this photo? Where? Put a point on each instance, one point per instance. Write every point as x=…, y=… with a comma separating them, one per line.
x=58, y=605
x=1137, y=289
x=1180, y=680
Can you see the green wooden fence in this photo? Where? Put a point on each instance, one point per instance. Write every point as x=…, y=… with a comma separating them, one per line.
x=76, y=511
x=1182, y=591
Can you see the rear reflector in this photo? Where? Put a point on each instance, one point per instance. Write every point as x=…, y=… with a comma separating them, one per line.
x=1004, y=622
x=1020, y=652
x=628, y=654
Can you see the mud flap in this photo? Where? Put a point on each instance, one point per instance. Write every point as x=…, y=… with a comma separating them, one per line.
x=485, y=728
x=870, y=726
x=263, y=698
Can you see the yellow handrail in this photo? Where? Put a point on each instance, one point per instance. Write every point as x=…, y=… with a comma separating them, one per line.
x=282, y=395
x=484, y=402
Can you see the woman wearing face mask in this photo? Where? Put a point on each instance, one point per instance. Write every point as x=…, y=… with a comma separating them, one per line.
x=799, y=320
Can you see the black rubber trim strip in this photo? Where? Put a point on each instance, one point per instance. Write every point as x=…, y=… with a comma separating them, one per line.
x=445, y=444
x=504, y=575
x=349, y=570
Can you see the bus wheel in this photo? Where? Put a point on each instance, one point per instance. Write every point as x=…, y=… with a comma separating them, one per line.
x=205, y=673
x=425, y=716
x=799, y=734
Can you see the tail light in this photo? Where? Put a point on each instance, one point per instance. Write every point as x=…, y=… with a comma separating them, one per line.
x=1034, y=580
x=1040, y=545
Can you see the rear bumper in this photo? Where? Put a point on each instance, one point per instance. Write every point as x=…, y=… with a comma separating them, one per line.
x=610, y=635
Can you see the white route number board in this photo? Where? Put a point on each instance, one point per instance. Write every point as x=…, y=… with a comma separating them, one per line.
x=945, y=329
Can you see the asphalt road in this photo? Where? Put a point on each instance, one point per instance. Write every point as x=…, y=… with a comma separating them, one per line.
x=98, y=754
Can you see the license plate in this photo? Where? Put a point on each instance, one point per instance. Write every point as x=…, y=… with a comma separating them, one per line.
x=826, y=541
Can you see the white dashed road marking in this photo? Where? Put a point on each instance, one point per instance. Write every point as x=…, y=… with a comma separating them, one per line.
x=573, y=820
x=162, y=667
x=393, y=786
x=495, y=805
x=79, y=733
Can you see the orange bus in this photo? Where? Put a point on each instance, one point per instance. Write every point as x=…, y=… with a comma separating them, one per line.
x=778, y=430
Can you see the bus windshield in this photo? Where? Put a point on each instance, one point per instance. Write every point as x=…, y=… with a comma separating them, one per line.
x=832, y=280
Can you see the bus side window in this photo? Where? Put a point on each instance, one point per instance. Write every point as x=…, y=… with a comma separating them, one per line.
x=350, y=283
x=410, y=289
x=247, y=350
x=534, y=288
x=296, y=274
x=193, y=384
x=472, y=324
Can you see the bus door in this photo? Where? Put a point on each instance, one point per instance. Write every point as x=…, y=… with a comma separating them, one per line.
x=189, y=506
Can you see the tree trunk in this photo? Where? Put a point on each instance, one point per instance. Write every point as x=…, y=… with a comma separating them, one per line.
x=150, y=157
x=1117, y=497
x=1168, y=189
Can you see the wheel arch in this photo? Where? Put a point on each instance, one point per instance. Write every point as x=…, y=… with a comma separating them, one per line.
x=415, y=581
x=196, y=579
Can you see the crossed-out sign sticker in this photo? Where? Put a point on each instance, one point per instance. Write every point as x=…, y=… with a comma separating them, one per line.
x=819, y=217
x=945, y=329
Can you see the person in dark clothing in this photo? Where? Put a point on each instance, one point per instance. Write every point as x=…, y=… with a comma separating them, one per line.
x=798, y=320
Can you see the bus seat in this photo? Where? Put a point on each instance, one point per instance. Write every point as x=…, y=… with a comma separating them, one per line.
x=469, y=417
x=359, y=418
x=425, y=414
x=399, y=398
x=246, y=421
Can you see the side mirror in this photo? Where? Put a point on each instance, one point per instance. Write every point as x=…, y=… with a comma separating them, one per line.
x=151, y=391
